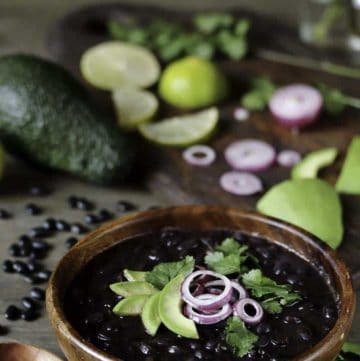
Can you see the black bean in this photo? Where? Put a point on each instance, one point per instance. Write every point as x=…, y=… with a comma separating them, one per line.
x=29, y=315
x=37, y=254
x=292, y=319
x=24, y=251
x=263, y=328
x=91, y=219
x=263, y=341
x=14, y=250
x=40, y=245
x=39, y=190
x=279, y=340
x=40, y=232
x=33, y=266
x=49, y=224
x=43, y=275
x=329, y=312
x=37, y=293
x=173, y=349
x=24, y=240
x=70, y=242
x=62, y=225
x=33, y=209
x=4, y=214
x=21, y=268
x=8, y=266
x=28, y=303
x=304, y=333
x=144, y=348
x=105, y=215
x=12, y=313
x=33, y=279
x=79, y=228
x=3, y=330
x=84, y=204
x=125, y=206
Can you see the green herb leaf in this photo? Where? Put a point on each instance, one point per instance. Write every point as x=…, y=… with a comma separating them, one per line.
x=273, y=295
x=117, y=30
x=242, y=27
x=225, y=265
x=163, y=273
x=230, y=245
x=233, y=46
x=239, y=337
x=334, y=99
x=210, y=22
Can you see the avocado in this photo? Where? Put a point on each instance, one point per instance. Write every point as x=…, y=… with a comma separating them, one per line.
x=47, y=117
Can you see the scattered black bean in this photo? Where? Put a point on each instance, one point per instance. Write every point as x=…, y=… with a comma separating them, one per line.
x=62, y=225
x=49, y=224
x=41, y=245
x=125, y=206
x=79, y=228
x=28, y=303
x=8, y=266
x=4, y=214
x=24, y=240
x=70, y=242
x=84, y=204
x=39, y=190
x=25, y=251
x=33, y=209
x=33, y=266
x=37, y=254
x=3, y=330
x=21, y=268
x=91, y=219
x=40, y=232
x=29, y=315
x=43, y=275
x=37, y=293
x=14, y=250
x=105, y=215
x=33, y=279
x=12, y=313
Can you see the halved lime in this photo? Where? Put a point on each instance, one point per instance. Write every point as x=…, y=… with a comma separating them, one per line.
x=183, y=130
x=114, y=64
x=134, y=106
x=131, y=306
x=127, y=289
x=170, y=312
x=132, y=276
x=150, y=315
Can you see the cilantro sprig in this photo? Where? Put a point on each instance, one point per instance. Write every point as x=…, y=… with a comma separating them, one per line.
x=272, y=295
x=228, y=257
x=239, y=337
x=163, y=273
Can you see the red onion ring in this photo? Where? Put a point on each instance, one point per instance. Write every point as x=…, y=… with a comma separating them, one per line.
x=209, y=318
x=207, y=157
x=250, y=155
x=239, y=310
x=208, y=304
x=235, y=285
x=288, y=158
x=241, y=183
x=241, y=114
x=296, y=105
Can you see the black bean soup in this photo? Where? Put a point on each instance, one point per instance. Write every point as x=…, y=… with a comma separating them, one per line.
x=89, y=302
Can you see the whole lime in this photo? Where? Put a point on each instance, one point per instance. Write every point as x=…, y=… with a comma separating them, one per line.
x=192, y=82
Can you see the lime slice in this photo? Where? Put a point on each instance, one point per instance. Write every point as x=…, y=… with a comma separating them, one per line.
x=182, y=130
x=313, y=162
x=134, y=107
x=170, y=303
x=150, y=315
x=127, y=289
x=114, y=64
x=311, y=204
x=131, y=306
x=132, y=276
x=348, y=181
x=2, y=161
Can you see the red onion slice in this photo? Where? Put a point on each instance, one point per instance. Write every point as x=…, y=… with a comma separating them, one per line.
x=235, y=285
x=208, y=304
x=241, y=183
x=199, y=155
x=250, y=155
x=240, y=311
x=296, y=105
x=288, y=158
x=241, y=114
x=208, y=318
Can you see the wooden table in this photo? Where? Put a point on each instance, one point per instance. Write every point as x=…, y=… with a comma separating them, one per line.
x=19, y=33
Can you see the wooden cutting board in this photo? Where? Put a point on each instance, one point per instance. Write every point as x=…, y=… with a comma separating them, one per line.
x=168, y=175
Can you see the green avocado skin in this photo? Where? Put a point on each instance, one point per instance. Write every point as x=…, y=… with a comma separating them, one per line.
x=47, y=117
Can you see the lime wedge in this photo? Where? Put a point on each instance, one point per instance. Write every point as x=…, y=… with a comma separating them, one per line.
x=134, y=107
x=183, y=130
x=131, y=306
x=170, y=303
x=127, y=289
x=2, y=161
x=313, y=162
x=114, y=64
x=150, y=315
x=132, y=276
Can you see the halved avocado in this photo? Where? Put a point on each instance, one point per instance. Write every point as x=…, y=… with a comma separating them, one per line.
x=150, y=314
x=127, y=289
x=132, y=276
x=131, y=306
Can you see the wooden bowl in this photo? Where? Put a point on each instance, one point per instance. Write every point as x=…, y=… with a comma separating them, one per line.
x=199, y=218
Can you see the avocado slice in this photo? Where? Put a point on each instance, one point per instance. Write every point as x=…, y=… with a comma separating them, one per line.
x=311, y=204
x=349, y=179
x=313, y=162
x=126, y=289
x=131, y=306
x=150, y=314
x=47, y=117
x=170, y=303
x=132, y=276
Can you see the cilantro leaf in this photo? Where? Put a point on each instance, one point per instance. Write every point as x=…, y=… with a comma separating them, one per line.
x=235, y=47
x=208, y=23
x=225, y=265
x=239, y=337
x=163, y=273
x=334, y=99
x=230, y=245
x=273, y=295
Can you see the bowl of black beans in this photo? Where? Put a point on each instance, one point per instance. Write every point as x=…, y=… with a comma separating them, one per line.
x=200, y=283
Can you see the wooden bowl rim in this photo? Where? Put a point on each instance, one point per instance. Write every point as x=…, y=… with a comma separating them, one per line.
x=346, y=292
